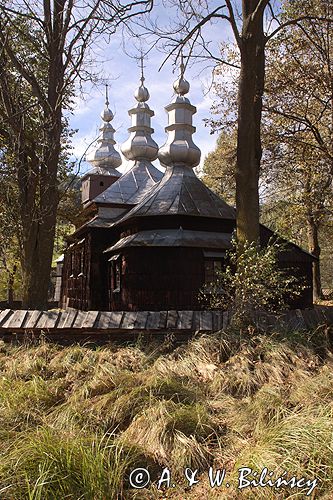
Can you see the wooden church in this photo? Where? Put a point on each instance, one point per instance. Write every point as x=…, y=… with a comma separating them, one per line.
x=151, y=240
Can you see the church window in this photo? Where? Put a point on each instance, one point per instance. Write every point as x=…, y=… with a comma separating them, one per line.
x=214, y=261
x=212, y=270
x=115, y=261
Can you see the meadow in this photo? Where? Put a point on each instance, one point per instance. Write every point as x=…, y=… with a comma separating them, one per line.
x=75, y=421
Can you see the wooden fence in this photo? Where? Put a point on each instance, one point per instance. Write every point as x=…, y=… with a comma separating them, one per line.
x=72, y=324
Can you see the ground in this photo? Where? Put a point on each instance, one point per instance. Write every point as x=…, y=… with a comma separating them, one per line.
x=76, y=421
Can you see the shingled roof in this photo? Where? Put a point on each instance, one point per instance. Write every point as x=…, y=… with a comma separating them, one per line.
x=132, y=186
x=180, y=192
x=174, y=238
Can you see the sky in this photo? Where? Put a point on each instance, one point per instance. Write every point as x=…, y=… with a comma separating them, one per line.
x=122, y=73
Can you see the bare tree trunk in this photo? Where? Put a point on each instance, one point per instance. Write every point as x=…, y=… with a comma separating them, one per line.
x=314, y=248
x=251, y=87
x=40, y=234
x=37, y=260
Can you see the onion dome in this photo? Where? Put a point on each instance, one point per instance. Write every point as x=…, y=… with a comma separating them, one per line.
x=105, y=158
x=179, y=148
x=132, y=186
x=180, y=192
x=140, y=145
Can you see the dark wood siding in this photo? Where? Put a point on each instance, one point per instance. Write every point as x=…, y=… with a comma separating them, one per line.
x=84, y=284
x=159, y=279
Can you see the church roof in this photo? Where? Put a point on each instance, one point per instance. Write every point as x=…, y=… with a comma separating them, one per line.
x=132, y=186
x=140, y=147
x=174, y=238
x=180, y=192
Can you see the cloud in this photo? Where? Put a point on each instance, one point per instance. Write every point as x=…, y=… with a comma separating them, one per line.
x=123, y=74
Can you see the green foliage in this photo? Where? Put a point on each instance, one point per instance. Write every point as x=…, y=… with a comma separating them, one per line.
x=296, y=167
x=66, y=465
x=251, y=282
x=219, y=167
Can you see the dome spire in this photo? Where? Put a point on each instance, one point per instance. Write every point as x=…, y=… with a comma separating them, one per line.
x=106, y=96
x=140, y=145
x=179, y=148
x=181, y=86
x=105, y=157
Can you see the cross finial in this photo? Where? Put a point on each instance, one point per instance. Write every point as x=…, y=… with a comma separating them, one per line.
x=181, y=86
x=182, y=67
x=142, y=68
x=106, y=95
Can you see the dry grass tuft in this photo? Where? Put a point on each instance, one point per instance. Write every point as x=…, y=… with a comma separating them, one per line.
x=74, y=421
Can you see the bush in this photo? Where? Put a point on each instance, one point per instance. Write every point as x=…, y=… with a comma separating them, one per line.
x=250, y=283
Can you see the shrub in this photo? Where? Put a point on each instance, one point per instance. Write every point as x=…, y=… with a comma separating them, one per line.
x=250, y=283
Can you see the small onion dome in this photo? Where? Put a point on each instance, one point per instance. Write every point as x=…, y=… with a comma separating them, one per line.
x=107, y=114
x=181, y=86
x=179, y=148
x=141, y=94
x=140, y=145
x=105, y=159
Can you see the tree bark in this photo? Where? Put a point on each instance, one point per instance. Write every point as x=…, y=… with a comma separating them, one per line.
x=39, y=234
x=314, y=248
x=251, y=88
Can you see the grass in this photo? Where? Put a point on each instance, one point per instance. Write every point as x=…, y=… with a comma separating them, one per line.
x=74, y=421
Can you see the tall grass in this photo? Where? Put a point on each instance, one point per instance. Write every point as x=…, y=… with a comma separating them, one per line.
x=75, y=421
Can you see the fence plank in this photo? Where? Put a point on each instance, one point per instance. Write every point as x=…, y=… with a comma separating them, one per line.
x=4, y=315
x=80, y=318
x=172, y=319
x=31, y=319
x=141, y=320
x=67, y=318
x=16, y=320
x=90, y=319
x=48, y=319
x=129, y=319
x=185, y=319
x=206, y=320
x=153, y=320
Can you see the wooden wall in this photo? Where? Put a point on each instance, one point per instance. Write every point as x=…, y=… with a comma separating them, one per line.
x=84, y=284
x=159, y=278
x=170, y=278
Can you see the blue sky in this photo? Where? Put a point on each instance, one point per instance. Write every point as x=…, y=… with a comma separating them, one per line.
x=122, y=73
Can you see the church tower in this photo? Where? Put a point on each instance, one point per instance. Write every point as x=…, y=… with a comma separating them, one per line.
x=105, y=160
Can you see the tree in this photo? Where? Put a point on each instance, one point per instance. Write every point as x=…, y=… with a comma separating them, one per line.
x=43, y=47
x=9, y=245
x=299, y=106
x=251, y=41
x=296, y=169
x=219, y=167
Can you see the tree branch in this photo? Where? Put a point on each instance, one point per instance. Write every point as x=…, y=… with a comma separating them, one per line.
x=233, y=23
x=296, y=21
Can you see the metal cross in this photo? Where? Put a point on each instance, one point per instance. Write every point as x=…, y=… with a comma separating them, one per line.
x=142, y=68
x=182, y=67
x=106, y=95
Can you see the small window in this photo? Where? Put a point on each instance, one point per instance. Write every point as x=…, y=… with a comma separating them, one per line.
x=71, y=264
x=212, y=270
x=115, y=262
x=101, y=183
